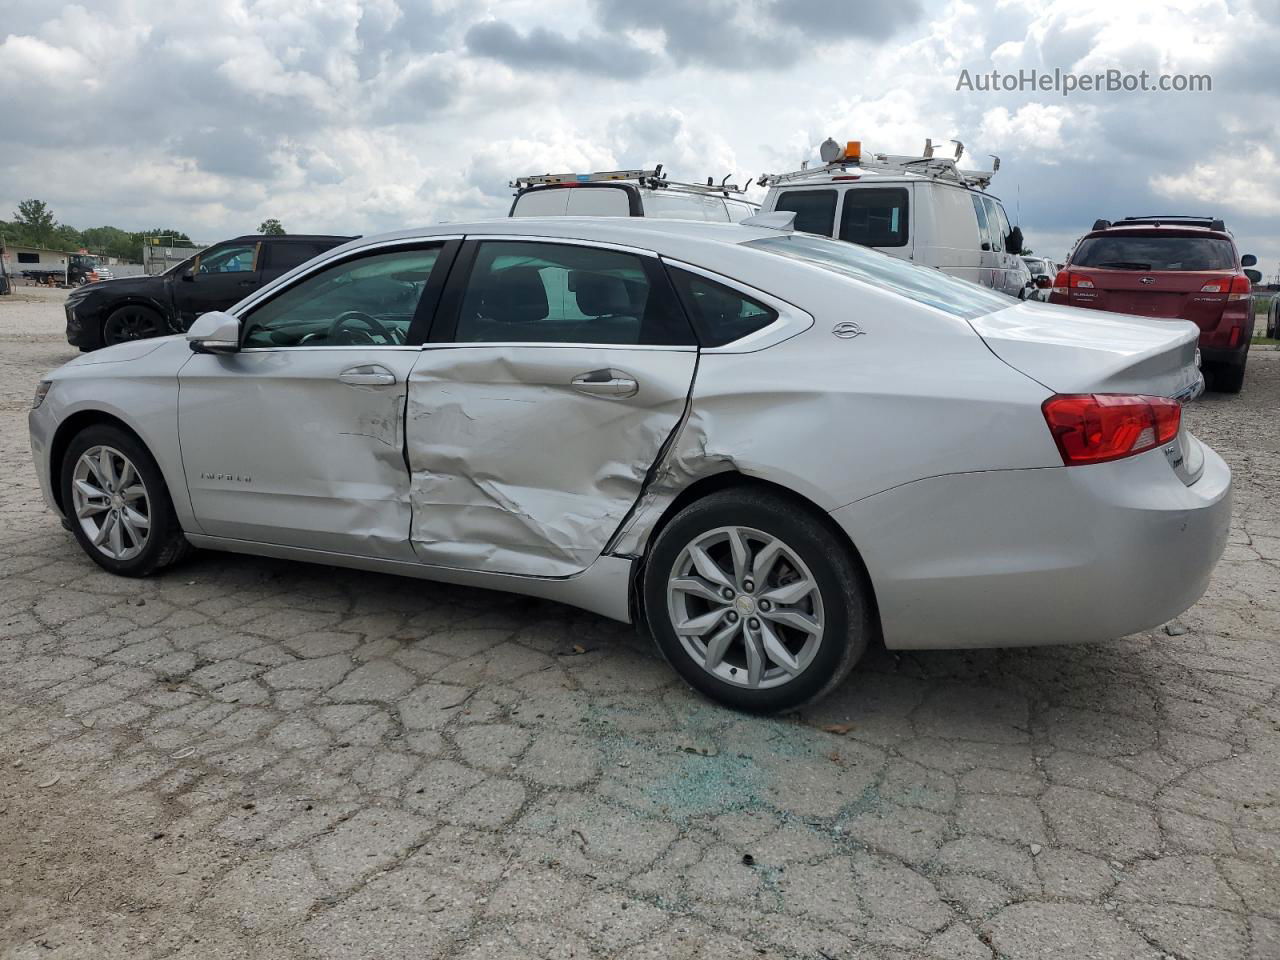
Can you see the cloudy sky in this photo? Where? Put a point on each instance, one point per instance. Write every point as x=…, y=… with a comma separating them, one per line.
x=353, y=116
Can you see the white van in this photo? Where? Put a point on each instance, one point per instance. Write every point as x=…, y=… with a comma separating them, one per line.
x=629, y=193
x=922, y=209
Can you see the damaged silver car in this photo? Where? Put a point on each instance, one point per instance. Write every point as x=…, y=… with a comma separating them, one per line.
x=768, y=448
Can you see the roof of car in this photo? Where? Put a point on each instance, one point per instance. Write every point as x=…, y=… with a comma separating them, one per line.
x=647, y=233
x=321, y=237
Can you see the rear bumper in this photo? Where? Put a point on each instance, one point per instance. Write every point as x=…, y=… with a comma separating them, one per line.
x=1043, y=556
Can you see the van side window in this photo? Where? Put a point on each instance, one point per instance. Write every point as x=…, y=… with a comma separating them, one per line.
x=815, y=210
x=994, y=233
x=984, y=229
x=1003, y=218
x=874, y=217
x=719, y=313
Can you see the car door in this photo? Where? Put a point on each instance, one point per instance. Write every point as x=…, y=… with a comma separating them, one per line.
x=298, y=439
x=219, y=277
x=556, y=373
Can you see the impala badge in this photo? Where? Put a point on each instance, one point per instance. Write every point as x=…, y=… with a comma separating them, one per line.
x=847, y=330
x=233, y=477
x=1147, y=280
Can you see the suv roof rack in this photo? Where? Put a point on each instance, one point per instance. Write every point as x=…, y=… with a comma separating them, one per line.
x=654, y=179
x=935, y=168
x=1173, y=219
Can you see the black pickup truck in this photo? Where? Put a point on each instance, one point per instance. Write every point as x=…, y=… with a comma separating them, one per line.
x=134, y=308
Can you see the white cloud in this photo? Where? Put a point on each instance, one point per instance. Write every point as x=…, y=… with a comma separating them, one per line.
x=1240, y=183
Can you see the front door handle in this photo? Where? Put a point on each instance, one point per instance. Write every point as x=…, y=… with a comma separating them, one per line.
x=606, y=383
x=367, y=375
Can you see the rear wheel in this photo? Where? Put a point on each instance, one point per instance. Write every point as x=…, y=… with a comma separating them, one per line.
x=131, y=322
x=755, y=602
x=116, y=500
x=1227, y=378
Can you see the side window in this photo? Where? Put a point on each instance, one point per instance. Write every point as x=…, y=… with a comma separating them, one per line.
x=739, y=210
x=874, y=217
x=366, y=302
x=720, y=314
x=1005, y=229
x=233, y=259
x=984, y=228
x=815, y=210
x=668, y=205
x=281, y=257
x=994, y=232
x=532, y=292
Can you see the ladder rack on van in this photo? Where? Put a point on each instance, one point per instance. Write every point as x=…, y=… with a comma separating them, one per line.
x=654, y=179
x=935, y=168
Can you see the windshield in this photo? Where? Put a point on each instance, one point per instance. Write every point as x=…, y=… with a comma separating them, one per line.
x=1154, y=253
x=922, y=284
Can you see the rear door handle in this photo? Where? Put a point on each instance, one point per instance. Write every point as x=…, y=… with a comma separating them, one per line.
x=606, y=383
x=367, y=375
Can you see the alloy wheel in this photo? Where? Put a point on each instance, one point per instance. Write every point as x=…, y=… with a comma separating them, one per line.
x=745, y=607
x=110, y=503
x=127, y=324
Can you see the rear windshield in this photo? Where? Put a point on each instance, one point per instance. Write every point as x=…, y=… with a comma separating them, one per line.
x=922, y=284
x=1154, y=253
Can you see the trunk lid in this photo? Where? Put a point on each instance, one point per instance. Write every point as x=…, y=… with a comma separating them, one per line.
x=1089, y=351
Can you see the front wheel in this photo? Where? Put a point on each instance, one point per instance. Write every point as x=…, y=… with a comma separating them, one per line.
x=131, y=322
x=755, y=602
x=115, y=498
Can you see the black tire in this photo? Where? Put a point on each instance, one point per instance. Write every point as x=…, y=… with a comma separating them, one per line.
x=845, y=597
x=131, y=322
x=1227, y=378
x=165, y=543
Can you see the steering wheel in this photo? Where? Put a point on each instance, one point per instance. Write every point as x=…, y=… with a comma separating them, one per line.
x=374, y=325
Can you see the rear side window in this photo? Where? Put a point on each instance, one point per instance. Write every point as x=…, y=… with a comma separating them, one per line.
x=874, y=217
x=286, y=256
x=815, y=210
x=719, y=313
x=535, y=292
x=995, y=233
x=740, y=210
x=1154, y=253
x=984, y=228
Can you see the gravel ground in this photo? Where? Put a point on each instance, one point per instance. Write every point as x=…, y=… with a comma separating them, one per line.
x=250, y=758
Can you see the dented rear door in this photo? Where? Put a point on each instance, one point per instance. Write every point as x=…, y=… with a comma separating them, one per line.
x=535, y=417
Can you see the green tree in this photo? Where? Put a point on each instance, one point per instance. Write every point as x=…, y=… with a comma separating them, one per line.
x=271, y=228
x=36, y=220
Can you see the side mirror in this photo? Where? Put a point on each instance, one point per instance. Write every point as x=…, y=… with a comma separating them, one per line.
x=1255, y=276
x=214, y=332
x=985, y=245
x=1248, y=260
x=1014, y=242
x=1044, y=282
x=188, y=275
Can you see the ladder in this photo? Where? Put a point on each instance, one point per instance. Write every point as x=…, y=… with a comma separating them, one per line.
x=935, y=168
x=655, y=179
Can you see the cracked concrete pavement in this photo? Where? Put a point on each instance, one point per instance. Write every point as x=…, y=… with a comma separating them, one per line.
x=253, y=758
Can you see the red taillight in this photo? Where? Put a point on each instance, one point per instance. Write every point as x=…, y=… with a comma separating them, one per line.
x=1236, y=288
x=1066, y=281
x=1097, y=427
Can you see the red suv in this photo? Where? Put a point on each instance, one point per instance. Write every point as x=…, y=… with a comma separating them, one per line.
x=1174, y=266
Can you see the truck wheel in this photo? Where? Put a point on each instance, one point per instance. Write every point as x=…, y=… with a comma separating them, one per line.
x=131, y=322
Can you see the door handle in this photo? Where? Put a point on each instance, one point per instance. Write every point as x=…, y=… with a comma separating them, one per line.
x=367, y=375
x=605, y=383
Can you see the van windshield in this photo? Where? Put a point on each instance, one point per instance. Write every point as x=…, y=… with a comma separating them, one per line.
x=922, y=284
x=1128, y=252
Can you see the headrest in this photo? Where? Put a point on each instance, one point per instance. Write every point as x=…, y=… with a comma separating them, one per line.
x=600, y=295
x=515, y=295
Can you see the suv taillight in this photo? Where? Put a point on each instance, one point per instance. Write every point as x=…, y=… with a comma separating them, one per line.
x=1066, y=280
x=1097, y=427
x=1236, y=288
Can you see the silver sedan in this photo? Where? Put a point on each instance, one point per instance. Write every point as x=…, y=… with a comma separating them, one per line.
x=769, y=449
